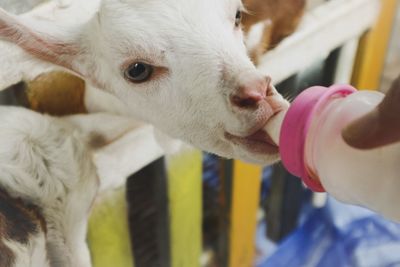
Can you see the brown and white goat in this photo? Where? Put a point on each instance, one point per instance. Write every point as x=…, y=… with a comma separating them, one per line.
x=267, y=22
x=48, y=183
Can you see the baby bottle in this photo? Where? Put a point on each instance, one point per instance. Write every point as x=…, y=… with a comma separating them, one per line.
x=312, y=147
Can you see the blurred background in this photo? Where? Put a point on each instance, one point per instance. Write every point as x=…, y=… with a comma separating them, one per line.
x=194, y=209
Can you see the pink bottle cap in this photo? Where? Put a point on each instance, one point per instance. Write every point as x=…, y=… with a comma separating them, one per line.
x=296, y=125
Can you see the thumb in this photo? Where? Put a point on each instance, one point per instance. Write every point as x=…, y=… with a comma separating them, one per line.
x=379, y=127
x=365, y=133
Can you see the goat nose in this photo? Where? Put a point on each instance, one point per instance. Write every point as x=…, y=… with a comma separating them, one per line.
x=251, y=94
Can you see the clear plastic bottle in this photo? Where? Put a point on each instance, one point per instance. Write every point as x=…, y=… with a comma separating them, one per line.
x=312, y=147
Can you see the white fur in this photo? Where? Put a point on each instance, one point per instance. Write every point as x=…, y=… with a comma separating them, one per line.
x=47, y=162
x=31, y=255
x=197, y=43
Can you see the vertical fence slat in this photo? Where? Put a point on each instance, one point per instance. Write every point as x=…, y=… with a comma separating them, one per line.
x=185, y=193
x=149, y=215
x=244, y=208
x=373, y=47
x=108, y=234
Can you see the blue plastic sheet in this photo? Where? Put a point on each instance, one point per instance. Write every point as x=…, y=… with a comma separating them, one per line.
x=340, y=235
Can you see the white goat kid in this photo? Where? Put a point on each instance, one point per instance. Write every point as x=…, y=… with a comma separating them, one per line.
x=180, y=65
x=48, y=182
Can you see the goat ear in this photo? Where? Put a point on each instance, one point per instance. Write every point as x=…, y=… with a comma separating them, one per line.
x=46, y=41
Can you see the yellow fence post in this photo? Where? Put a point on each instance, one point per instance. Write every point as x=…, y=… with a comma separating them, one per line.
x=371, y=55
x=244, y=207
x=185, y=206
x=108, y=234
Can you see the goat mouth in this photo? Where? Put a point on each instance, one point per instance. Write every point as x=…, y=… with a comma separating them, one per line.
x=259, y=142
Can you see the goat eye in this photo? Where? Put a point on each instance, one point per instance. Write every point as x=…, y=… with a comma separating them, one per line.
x=238, y=18
x=139, y=72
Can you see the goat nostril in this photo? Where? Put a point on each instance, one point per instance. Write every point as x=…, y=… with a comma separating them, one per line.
x=250, y=101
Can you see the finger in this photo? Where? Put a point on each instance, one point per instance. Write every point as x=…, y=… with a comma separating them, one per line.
x=381, y=126
x=372, y=131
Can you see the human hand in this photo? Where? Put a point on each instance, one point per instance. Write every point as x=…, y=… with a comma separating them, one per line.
x=381, y=126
